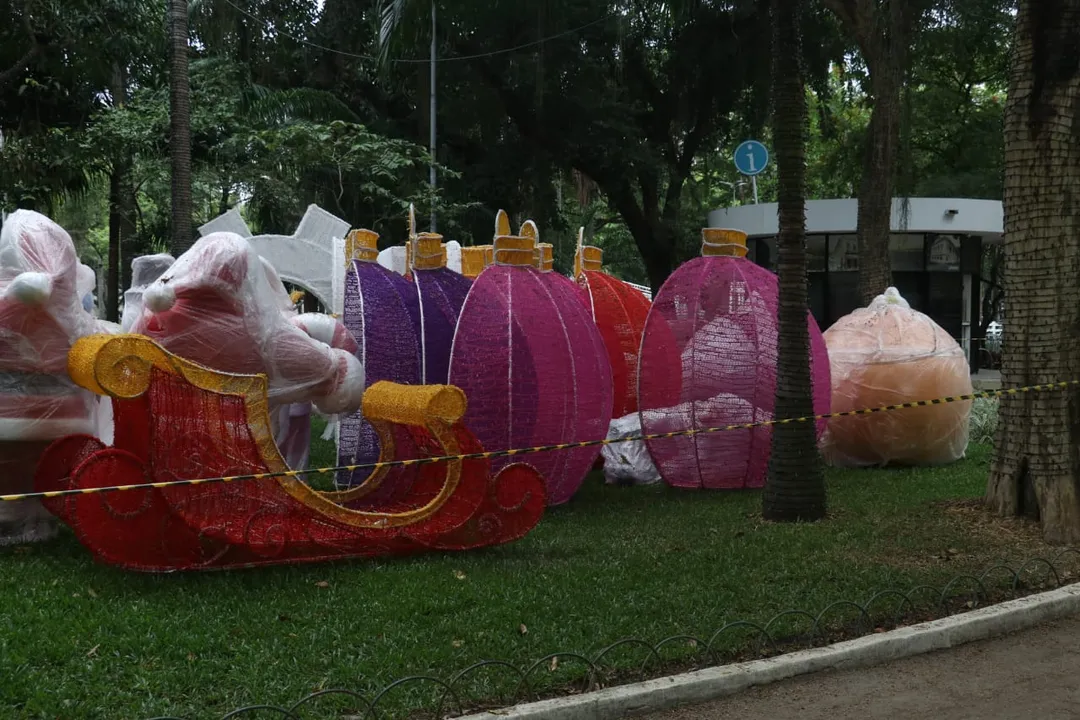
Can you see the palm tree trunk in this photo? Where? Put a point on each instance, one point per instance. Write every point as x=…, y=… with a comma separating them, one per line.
x=180, y=127
x=795, y=489
x=1036, y=467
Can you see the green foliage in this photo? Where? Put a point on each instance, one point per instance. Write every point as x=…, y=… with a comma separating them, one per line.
x=984, y=420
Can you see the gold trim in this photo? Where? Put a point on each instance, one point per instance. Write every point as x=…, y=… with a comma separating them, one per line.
x=545, y=257
x=474, y=260
x=361, y=244
x=430, y=252
x=723, y=242
x=502, y=223
x=514, y=250
x=588, y=258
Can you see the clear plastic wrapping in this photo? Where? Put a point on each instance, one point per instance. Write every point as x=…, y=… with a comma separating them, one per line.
x=628, y=463
x=41, y=315
x=144, y=270
x=219, y=305
x=888, y=354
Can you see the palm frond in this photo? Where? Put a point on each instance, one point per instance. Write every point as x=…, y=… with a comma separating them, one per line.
x=275, y=107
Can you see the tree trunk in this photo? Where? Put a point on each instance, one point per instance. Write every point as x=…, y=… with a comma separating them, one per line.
x=795, y=489
x=123, y=233
x=180, y=128
x=883, y=32
x=876, y=187
x=112, y=273
x=1036, y=467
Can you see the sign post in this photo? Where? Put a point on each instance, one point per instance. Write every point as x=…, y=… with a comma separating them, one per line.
x=751, y=157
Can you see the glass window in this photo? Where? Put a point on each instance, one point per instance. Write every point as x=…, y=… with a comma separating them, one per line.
x=765, y=253
x=907, y=253
x=815, y=253
x=943, y=253
x=843, y=253
x=843, y=294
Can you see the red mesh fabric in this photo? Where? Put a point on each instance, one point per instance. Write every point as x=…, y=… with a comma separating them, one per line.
x=194, y=433
x=535, y=371
x=708, y=359
x=620, y=312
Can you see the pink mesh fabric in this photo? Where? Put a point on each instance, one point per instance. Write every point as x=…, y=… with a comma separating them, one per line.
x=708, y=359
x=535, y=372
x=383, y=312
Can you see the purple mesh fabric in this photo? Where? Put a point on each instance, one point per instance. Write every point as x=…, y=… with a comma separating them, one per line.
x=535, y=372
x=442, y=293
x=708, y=358
x=383, y=313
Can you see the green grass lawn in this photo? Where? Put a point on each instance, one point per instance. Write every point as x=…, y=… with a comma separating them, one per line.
x=79, y=640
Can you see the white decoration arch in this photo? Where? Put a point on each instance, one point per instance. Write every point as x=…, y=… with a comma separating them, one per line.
x=312, y=257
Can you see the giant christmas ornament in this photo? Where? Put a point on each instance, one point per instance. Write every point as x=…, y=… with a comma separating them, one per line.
x=532, y=364
x=887, y=354
x=382, y=310
x=441, y=293
x=41, y=315
x=708, y=359
x=619, y=312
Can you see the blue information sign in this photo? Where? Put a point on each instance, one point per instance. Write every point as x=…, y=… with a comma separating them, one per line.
x=751, y=157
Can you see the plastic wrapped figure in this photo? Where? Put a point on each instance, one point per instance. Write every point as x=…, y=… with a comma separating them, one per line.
x=144, y=270
x=708, y=359
x=887, y=354
x=41, y=315
x=532, y=364
x=218, y=307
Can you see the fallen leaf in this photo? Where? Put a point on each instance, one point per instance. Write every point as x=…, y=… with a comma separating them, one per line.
x=93, y=651
x=191, y=657
x=522, y=629
x=322, y=584
x=458, y=643
x=554, y=664
x=459, y=575
x=91, y=593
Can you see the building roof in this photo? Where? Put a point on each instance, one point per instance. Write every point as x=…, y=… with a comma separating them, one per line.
x=960, y=216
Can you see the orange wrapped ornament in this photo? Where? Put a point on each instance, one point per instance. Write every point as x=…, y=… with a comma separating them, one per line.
x=888, y=354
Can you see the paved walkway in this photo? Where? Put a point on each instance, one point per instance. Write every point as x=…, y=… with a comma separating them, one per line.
x=1032, y=675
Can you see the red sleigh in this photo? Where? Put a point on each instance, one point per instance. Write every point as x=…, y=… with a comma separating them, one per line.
x=175, y=420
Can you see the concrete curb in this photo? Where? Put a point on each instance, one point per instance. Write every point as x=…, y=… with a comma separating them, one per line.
x=712, y=683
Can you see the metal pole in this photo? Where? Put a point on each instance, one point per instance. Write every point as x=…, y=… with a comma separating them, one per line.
x=753, y=181
x=432, y=139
